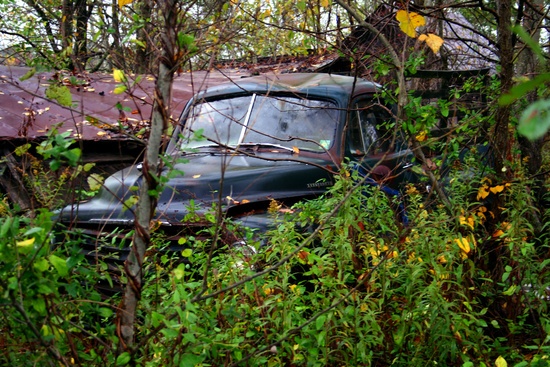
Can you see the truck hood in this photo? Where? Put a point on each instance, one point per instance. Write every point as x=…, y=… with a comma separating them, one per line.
x=240, y=183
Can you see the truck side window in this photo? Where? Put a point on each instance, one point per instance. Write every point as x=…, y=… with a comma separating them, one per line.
x=367, y=133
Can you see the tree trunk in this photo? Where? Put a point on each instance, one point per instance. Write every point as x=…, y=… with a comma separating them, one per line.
x=501, y=141
x=117, y=55
x=151, y=169
x=528, y=65
x=66, y=26
x=47, y=21
x=144, y=55
x=82, y=13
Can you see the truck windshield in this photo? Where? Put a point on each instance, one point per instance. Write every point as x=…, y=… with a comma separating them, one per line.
x=265, y=120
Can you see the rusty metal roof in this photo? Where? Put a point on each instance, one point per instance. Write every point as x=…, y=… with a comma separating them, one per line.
x=26, y=113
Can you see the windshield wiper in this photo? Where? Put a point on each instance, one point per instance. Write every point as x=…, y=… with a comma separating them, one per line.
x=204, y=149
x=246, y=148
x=274, y=148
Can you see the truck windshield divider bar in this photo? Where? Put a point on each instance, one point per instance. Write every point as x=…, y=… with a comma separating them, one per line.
x=247, y=119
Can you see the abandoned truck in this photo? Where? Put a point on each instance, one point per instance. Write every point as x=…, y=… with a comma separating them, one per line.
x=246, y=143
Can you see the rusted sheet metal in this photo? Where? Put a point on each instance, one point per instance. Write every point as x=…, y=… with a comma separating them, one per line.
x=26, y=113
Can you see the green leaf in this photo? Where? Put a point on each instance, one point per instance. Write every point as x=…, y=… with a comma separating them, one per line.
x=44, y=289
x=185, y=40
x=301, y=5
x=190, y=360
x=510, y=290
x=320, y=322
x=523, y=88
x=119, y=89
x=41, y=265
x=33, y=231
x=28, y=75
x=60, y=265
x=529, y=41
x=55, y=165
x=321, y=338
x=444, y=111
x=105, y=312
x=95, y=181
x=179, y=272
x=6, y=226
x=170, y=333
x=130, y=202
x=88, y=166
x=22, y=149
x=156, y=318
x=123, y=359
x=535, y=120
x=187, y=252
x=60, y=93
x=190, y=317
x=72, y=156
x=39, y=305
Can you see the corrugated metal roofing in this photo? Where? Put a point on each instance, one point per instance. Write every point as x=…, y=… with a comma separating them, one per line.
x=25, y=112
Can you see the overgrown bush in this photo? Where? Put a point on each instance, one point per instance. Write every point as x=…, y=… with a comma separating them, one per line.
x=50, y=309
x=340, y=280
x=451, y=288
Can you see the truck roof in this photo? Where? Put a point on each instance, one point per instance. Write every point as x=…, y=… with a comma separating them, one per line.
x=318, y=84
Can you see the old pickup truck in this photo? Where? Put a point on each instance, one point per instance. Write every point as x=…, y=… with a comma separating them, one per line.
x=244, y=144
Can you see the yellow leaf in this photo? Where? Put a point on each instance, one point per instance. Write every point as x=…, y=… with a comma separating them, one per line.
x=463, y=244
x=325, y=3
x=118, y=75
x=121, y=3
x=268, y=291
x=481, y=214
x=12, y=61
x=482, y=193
x=296, y=150
x=498, y=233
x=434, y=42
x=409, y=21
x=467, y=221
x=421, y=136
x=501, y=362
x=25, y=246
x=497, y=189
x=25, y=243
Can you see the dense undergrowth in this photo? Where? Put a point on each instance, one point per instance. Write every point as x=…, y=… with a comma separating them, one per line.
x=342, y=282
